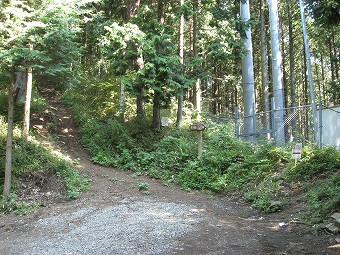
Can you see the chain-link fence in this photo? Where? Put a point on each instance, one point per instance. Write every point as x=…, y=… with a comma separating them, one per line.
x=295, y=126
x=298, y=125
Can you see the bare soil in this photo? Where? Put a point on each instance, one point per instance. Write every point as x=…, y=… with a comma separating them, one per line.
x=224, y=224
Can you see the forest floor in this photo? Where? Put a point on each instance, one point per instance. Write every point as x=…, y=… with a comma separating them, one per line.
x=116, y=216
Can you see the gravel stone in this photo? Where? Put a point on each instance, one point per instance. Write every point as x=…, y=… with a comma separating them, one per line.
x=124, y=229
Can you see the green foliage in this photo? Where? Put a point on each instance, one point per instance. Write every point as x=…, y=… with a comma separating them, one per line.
x=3, y=105
x=99, y=97
x=315, y=163
x=11, y=204
x=163, y=158
x=74, y=182
x=196, y=175
x=326, y=12
x=142, y=186
x=324, y=197
x=262, y=195
x=52, y=30
x=122, y=44
x=101, y=137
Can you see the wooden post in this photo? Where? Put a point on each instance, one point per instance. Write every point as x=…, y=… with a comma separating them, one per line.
x=199, y=128
x=122, y=101
x=200, y=144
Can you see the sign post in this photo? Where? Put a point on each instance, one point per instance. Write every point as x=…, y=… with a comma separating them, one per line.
x=297, y=151
x=199, y=127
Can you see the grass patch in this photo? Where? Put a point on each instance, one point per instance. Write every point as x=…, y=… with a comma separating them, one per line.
x=11, y=204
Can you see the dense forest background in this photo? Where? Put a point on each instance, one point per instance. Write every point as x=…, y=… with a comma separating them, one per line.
x=122, y=65
x=163, y=50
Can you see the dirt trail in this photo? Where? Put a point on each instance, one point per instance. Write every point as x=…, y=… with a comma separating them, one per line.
x=114, y=217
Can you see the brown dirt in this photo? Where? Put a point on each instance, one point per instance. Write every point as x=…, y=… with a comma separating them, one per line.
x=229, y=226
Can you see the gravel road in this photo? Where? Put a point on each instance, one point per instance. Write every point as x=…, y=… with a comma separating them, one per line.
x=127, y=228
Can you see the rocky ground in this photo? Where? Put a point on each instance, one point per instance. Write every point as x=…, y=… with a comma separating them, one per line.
x=126, y=214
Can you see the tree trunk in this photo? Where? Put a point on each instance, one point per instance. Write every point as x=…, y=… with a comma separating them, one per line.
x=140, y=102
x=180, y=108
x=156, y=111
x=28, y=95
x=331, y=59
x=8, y=163
x=335, y=55
x=305, y=96
x=323, y=79
x=181, y=56
x=309, y=72
x=197, y=88
x=131, y=11
x=27, y=107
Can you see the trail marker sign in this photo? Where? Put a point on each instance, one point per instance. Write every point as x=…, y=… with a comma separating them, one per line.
x=165, y=121
x=297, y=151
x=198, y=127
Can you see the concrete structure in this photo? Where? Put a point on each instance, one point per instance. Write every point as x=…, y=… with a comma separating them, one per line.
x=331, y=127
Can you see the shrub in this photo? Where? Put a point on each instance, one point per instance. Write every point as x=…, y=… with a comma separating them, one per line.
x=197, y=176
x=324, y=197
x=262, y=195
x=100, y=136
x=315, y=163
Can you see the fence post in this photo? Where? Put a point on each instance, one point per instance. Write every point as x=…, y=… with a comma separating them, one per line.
x=272, y=113
x=237, y=122
x=320, y=123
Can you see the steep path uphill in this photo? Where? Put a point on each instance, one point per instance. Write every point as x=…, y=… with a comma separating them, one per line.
x=114, y=217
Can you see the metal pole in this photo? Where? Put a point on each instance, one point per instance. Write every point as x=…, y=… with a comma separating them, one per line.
x=273, y=117
x=309, y=70
x=320, y=123
x=277, y=71
x=248, y=74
